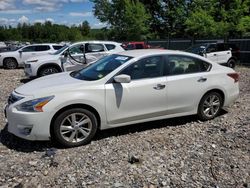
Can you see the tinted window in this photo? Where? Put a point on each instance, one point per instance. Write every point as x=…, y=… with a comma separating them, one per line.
x=129, y=47
x=146, y=68
x=178, y=64
x=138, y=46
x=29, y=49
x=110, y=46
x=197, y=49
x=42, y=48
x=220, y=47
x=100, y=68
x=211, y=48
x=94, y=48
x=57, y=47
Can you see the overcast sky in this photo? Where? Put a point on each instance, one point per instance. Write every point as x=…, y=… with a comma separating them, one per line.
x=67, y=12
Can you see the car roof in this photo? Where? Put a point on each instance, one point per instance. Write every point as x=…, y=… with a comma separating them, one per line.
x=95, y=41
x=147, y=52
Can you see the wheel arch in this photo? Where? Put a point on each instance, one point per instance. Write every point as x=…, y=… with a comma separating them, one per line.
x=9, y=58
x=48, y=65
x=78, y=105
x=215, y=90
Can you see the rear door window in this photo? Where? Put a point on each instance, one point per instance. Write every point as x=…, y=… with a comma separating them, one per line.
x=211, y=48
x=94, y=48
x=179, y=64
x=221, y=47
x=41, y=48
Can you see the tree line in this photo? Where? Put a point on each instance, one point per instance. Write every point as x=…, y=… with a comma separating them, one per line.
x=146, y=19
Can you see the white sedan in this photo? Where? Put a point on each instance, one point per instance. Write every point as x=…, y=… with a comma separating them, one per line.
x=121, y=89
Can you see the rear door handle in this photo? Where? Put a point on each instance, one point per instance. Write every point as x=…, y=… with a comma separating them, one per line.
x=215, y=54
x=202, y=79
x=159, y=86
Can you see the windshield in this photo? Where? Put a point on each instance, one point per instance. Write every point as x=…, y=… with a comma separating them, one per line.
x=100, y=68
x=60, y=50
x=197, y=49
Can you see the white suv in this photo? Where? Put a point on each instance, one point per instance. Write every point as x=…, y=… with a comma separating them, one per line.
x=52, y=63
x=14, y=59
x=215, y=52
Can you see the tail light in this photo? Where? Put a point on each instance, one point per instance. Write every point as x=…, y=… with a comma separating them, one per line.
x=234, y=76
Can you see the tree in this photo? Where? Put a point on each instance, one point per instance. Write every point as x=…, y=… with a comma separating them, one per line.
x=244, y=26
x=85, y=28
x=128, y=19
x=200, y=24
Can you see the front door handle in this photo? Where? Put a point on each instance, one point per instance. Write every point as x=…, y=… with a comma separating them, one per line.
x=202, y=79
x=215, y=54
x=159, y=86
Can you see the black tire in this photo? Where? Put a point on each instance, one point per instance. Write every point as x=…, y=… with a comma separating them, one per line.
x=48, y=70
x=10, y=63
x=205, y=111
x=231, y=63
x=63, y=130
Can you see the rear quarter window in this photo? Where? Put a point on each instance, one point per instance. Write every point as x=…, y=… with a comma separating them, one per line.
x=110, y=46
x=57, y=47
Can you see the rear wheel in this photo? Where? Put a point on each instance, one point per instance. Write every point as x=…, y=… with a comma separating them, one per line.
x=231, y=63
x=10, y=63
x=210, y=106
x=48, y=70
x=74, y=127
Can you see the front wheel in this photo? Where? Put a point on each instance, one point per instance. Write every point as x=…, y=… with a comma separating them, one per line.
x=210, y=106
x=74, y=127
x=10, y=63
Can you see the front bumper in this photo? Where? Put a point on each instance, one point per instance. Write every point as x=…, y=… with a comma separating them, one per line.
x=28, y=125
x=27, y=70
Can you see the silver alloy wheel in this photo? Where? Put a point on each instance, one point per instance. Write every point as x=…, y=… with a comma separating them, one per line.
x=48, y=71
x=10, y=63
x=211, y=105
x=75, y=127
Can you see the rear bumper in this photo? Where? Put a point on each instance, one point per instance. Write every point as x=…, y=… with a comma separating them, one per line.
x=232, y=96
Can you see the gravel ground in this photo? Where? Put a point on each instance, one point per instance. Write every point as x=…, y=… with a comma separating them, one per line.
x=179, y=152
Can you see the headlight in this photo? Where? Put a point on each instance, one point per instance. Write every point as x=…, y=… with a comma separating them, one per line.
x=35, y=105
x=32, y=61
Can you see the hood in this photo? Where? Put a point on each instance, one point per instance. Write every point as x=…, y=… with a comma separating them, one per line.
x=9, y=53
x=52, y=83
x=47, y=57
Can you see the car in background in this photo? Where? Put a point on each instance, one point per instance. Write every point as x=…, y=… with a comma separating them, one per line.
x=2, y=45
x=16, y=58
x=221, y=53
x=121, y=89
x=135, y=45
x=79, y=55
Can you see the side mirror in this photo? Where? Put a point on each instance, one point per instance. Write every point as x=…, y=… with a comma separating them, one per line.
x=20, y=51
x=122, y=78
